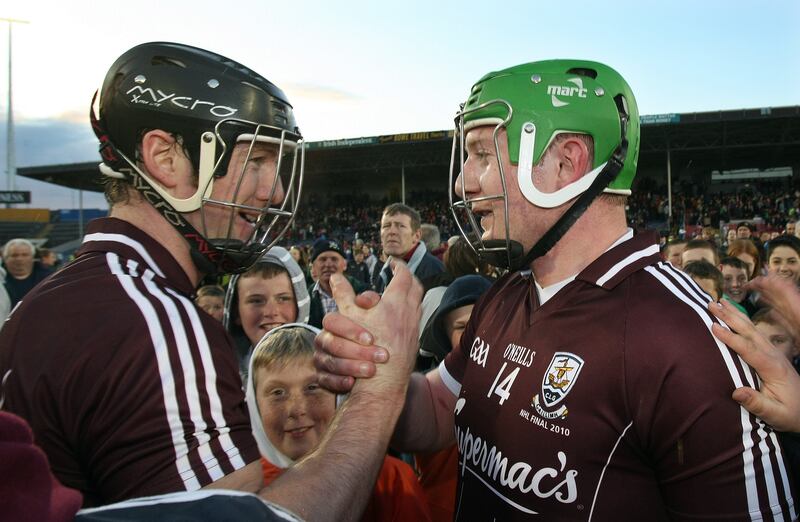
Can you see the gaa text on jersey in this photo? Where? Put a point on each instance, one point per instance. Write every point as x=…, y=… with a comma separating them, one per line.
x=479, y=351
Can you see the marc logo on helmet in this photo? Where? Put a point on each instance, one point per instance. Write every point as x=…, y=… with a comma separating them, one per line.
x=566, y=90
x=158, y=97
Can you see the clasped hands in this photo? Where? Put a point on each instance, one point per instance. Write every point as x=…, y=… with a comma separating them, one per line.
x=370, y=329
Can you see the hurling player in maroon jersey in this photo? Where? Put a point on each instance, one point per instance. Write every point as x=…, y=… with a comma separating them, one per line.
x=129, y=389
x=588, y=384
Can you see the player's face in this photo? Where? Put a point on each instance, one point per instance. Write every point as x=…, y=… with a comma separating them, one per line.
x=733, y=281
x=397, y=236
x=481, y=177
x=295, y=410
x=785, y=262
x=260, y=187
x=780, y=338
x=212, y=305
x=265, y=304
x=455, y=322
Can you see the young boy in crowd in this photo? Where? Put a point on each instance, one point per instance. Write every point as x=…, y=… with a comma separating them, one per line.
x=211, y=298
x=271, y=293
x=707, y=276
x=673, y=252
x=768, y=322
x=698, y=249
x=290, y=414
x=735, y=274
x=439, y=470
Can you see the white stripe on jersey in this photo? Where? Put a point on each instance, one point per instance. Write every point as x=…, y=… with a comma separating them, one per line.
x=602, y=473
x=210, y=371
x=185, y=470
x=189, y=377
x=125, y=240
x=688, y=284
x=614, y=270
x=747, y=427
x=183, y=497
x=452, y=384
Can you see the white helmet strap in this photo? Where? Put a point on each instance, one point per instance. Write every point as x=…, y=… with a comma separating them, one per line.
x=525, y=175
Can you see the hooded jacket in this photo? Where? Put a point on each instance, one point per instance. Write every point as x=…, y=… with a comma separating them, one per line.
x=276, y=256
x=397, y=495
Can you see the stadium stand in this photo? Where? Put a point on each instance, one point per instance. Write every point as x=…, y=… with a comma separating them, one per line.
x=349, y=181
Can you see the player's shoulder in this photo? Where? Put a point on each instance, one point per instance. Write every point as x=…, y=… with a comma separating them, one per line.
x=665, y=306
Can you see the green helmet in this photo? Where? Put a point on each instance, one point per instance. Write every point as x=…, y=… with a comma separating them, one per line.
x=535, y=102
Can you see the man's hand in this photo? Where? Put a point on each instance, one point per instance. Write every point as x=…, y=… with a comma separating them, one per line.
x=778, y=402
x=353, y=338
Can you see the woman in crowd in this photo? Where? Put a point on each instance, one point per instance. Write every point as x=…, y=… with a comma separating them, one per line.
x=783, y=257
x=300, y=256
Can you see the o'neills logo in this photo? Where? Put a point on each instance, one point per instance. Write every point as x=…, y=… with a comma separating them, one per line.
x=157, y=97
x=488, y=463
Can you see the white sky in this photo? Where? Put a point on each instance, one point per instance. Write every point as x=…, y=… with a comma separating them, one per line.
x=367, y=68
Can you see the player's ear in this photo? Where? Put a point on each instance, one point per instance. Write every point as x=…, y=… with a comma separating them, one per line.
x=574, y=160
x=164, y=159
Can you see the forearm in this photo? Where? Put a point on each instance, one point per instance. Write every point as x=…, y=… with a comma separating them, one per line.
x=335, y=481
x=426, y=423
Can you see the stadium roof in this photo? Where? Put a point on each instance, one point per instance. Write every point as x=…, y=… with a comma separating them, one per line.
x=722, y=140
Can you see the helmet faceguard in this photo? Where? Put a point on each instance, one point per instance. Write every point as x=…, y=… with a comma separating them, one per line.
x=535, y=103
x=210, y=104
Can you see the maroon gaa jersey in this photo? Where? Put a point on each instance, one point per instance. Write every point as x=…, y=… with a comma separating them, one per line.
x=611, y=401
x=130, y=389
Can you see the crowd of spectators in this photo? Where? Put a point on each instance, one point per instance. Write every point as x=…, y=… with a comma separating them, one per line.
x=345, y=218
x=774, y=205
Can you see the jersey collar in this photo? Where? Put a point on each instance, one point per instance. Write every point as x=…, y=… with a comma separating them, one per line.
x=621, y=260
x=126, y=240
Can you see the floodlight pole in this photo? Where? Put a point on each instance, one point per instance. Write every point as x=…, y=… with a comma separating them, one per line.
x=10, y=151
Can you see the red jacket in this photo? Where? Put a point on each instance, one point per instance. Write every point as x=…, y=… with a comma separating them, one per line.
x=397, y=495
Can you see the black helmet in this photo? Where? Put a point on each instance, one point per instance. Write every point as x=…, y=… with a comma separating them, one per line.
x=211, y=103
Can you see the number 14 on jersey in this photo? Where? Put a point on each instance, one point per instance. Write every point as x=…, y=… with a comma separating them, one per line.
x=504, y=388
